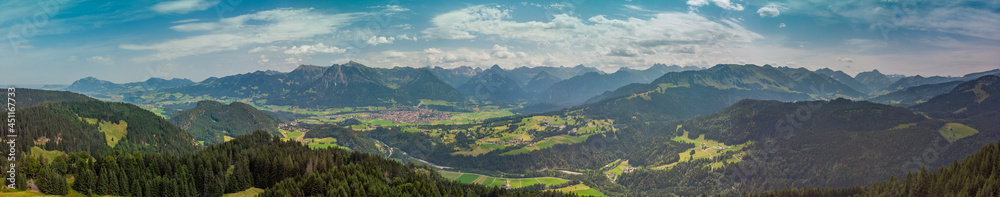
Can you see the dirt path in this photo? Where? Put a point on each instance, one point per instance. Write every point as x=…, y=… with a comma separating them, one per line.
x=570, y=172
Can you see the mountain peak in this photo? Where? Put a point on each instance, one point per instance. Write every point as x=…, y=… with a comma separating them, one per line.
x=495, y=67
x=353, y=64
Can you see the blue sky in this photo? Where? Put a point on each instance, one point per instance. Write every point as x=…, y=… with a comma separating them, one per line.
x=59, y=41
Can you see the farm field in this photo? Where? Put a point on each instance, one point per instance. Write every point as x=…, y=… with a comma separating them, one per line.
x=704, y=148
x=113, y=132
x=494, y=181
x=617, y=167
x=548, y=143
x=955, y=131
x=581, y=189
x=250, y=192
x=49, y=155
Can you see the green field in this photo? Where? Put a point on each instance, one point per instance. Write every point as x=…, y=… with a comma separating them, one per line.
x=548, y=143
x=449, y=175
x=113, y=133
x=294, y=135
x=955, y=131
x=494, y=181
x=473, y=117
x=251, y=192
x=467, y=178
x=617, y=167
x=49, y=155
x=581, y=189
x=704, y=148
x=321, y=143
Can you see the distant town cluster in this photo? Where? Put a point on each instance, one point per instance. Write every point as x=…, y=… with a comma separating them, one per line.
x=412, y=115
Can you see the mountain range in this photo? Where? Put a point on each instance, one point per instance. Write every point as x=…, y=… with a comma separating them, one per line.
x=578, y=89
x=94, y=85
x=346, y=85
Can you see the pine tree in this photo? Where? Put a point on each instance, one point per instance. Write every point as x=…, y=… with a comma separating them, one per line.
x=113, y=187
x=85, y=180
x=103, y=183
x=50, y=182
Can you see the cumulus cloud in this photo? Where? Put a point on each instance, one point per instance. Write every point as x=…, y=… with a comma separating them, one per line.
x=263, y=60
x=661, y=31
x=376, y=40
x=392, y=8
x=195, y=27
x=235, y=32
x=187, y=21
x=782, y=25
x=465, y=55
x=106, y=60
x=183, y=6
x=313, y=49
x=724, y=4
x=844, y=59
x=771, y=10
x=267, y=49
x=454, y=25
x=623, y=53
x=501, y=52
x=405, y=37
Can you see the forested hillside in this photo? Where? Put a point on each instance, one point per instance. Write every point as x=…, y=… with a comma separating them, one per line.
x=259, y=161
x=210, y=121
x=99, y=128
x=975, y=175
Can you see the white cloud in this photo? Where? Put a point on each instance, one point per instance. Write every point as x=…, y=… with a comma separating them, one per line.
x=501, y=52
x=376, y=40
x=958, y=20
x=106, y=60
x=268, y=49
x=844, y=59
x=183, y=6
x=306, y=50
x=187, y=21
x=782, y=25
x=392, y=8
x=452, y=25
x=405, y=37
x=724, y=4
x=396, y=8
x=662, y=29
x=263, y=60
x=394, y=54
x=195, y=27
x=623, y=52
x=432, y=51
x=235, y=32
x=771, y=10
x=635, y=7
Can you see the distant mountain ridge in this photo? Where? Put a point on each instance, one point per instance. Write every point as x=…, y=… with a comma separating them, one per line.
x=977, y=97
x=680, y=95
x=578, y=89
x=94, y=85
x=346, y=85
x=494, y=84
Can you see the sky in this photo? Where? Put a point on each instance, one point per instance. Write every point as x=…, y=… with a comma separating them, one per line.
x=60, y=41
